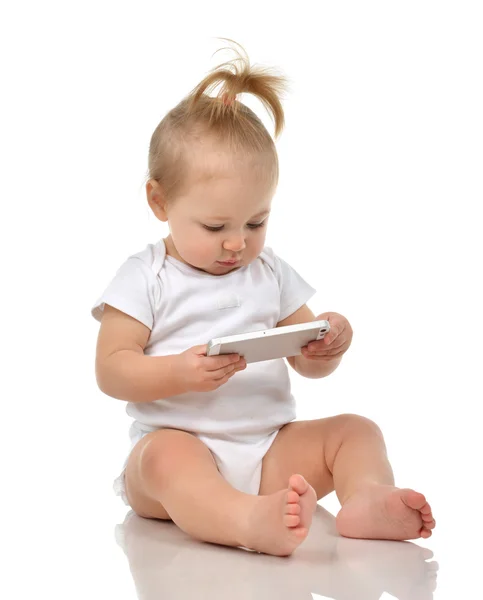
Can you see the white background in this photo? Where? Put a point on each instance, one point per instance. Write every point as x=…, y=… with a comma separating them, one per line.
x=378, y=207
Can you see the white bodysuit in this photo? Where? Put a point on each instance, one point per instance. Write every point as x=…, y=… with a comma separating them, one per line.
x=185, y=307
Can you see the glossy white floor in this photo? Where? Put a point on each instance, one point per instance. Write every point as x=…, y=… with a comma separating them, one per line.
x=165, y=563
x=67, y=535
x=76, y=541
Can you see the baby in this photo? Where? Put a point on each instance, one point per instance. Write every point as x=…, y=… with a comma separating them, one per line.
x=215, y=444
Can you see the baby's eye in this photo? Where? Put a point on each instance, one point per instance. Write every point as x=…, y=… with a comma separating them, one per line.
x=249, y=225
x=213, y=228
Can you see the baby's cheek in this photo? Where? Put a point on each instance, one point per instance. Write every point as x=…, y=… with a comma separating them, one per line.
x=256, y=248
x=200, y=250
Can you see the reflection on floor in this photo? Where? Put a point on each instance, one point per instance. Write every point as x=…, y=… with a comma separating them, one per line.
x=166, y=563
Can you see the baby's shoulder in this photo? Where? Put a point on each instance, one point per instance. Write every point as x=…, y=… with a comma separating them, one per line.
x=152, y=256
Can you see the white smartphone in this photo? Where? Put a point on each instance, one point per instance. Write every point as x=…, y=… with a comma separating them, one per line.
x=268, y=344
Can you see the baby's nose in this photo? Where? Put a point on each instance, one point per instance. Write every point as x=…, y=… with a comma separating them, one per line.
x=235, y=244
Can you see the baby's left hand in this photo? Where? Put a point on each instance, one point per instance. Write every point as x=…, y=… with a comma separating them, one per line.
x=335, y=343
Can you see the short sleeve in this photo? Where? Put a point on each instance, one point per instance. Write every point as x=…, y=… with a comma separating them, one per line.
x=294, y=290
x=131, y=291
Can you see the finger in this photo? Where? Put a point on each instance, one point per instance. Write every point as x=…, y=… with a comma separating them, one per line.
x=332, y=351
x=316, y=347
x=327, y=355
x=225, y=377
x=335, y=331
x=201, y=350
x=231, y=368
x=324, y=357
x=220, y=373
x=329, y=338
x=329, y=352
x=215, y=363
x=320, y=346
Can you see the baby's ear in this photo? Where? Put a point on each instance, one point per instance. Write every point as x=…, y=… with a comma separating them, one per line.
x=156, y=199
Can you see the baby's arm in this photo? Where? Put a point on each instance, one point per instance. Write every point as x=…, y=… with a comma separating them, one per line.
x=123, y=371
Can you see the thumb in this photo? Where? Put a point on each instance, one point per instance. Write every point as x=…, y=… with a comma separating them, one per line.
x=200, y=350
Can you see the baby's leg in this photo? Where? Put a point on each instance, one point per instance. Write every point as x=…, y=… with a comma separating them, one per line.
x=372, y=506
x=172, y=474
x=347, y=453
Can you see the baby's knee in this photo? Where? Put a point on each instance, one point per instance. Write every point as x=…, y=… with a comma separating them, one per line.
x=157, y=451
x=353, y=424
x=166, y=451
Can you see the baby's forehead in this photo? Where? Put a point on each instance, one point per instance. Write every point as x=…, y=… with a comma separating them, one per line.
x=209, y=157
x=217, y=164
x=232, y=201
x=229, y=215
x=217, y=178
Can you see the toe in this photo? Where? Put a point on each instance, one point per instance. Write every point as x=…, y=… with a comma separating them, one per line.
x=298, y=483
x=291, y=520
x=293, y=509
x=426, y=509
x=425, y=533
x=301, y=532
x=413, y=499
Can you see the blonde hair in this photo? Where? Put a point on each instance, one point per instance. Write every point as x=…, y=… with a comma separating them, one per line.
x=223, y=118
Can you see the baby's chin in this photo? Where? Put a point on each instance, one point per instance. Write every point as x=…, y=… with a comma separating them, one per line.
x=217, y=268
x=222, y=269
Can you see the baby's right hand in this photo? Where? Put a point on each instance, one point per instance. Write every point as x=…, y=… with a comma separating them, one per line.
x=201, y=373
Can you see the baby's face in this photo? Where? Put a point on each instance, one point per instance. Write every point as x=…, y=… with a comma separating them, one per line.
x=222, y=218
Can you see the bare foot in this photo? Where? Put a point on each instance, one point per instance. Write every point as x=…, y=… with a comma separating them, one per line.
x=280, y=522
x=385, y=512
